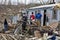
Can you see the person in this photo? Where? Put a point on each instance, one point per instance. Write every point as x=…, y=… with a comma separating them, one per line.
x=5, y=25
x=44, y=21
x=32, y=17
x=38, y=17
x=24, y=18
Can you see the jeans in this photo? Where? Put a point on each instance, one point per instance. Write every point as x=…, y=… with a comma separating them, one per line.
x=5, y=27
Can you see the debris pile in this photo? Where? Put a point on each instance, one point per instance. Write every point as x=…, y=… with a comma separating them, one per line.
x=11, y=37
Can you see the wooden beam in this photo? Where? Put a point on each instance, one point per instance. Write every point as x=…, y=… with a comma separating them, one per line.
x=3, y=37
x=18, y=29
x=12, y=37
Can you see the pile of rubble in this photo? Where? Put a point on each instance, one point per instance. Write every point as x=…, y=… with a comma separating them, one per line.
x=7, y=11
x=11, y=37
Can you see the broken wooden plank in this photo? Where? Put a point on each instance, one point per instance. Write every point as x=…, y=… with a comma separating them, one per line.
x=18, y=29
x=3, y=37
x=12, y=37
x=8, y=37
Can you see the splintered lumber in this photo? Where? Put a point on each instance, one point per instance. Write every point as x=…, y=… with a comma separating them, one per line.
x=12, y=37
x=1, y=38
x=37, y=34
x=8, y=37
x=4, y=37
x=53, y=25
x=18, y=29
x=58, y=27
x=19, y=37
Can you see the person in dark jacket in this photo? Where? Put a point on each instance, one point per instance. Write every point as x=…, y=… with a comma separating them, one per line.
x=5, y=25
x=44, y=20
x=24, y=18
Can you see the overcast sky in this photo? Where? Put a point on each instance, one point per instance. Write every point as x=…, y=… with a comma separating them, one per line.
x=23, y=1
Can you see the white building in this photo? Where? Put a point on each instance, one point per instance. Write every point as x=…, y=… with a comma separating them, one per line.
x=50, y=12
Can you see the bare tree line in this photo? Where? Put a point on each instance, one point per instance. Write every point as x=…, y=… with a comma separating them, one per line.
x=8, y=2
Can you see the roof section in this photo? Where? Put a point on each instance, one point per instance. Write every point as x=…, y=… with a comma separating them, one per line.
x=43, y=6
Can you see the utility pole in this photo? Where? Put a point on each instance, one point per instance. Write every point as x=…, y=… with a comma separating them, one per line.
x=41, y=1
x=52, y=1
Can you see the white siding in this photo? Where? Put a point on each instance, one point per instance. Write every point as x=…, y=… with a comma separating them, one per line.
x=49, y=14
x=42, y=12
x=14, y=21
x=58, y=15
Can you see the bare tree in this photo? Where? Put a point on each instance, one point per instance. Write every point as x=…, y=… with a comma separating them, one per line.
x=18, y=2
x=5, y=2
x=51, y=1
x=42, y=2
x=9, y=2
x=1, y=1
